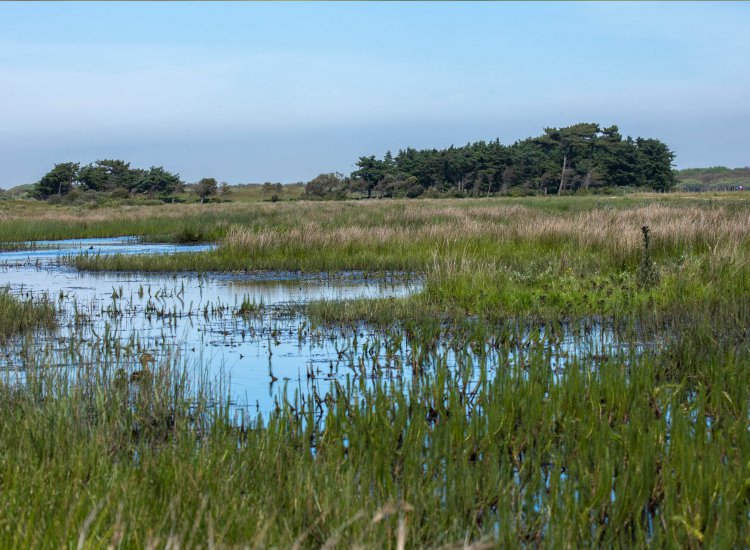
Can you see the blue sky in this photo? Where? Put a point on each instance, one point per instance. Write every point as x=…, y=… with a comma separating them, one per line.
x=249, y=92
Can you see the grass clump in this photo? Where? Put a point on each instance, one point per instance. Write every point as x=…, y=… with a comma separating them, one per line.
x=18, y=316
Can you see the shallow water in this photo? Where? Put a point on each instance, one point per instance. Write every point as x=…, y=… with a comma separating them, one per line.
x=196, y=316
x=258, y=350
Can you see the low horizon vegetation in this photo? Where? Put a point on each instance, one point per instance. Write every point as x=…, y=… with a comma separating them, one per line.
x=581, y=157
x=715, y=178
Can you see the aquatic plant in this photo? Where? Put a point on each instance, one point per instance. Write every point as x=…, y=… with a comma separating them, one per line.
x=513, y=446
x=19, y=315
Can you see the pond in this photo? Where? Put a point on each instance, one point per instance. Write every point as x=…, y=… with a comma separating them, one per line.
x=198, y=317
x=243, y=331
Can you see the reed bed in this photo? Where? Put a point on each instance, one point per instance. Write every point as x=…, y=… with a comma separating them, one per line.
x=579, y=217
x=494, y=258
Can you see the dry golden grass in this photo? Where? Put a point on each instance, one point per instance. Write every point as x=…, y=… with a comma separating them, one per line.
x=319, y=223
x=375, y=235
x=618, y=230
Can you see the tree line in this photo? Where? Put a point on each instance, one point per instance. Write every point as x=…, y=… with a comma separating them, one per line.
x=573, y=158
x=579, y=157
x=117, y=177
x=106, y=176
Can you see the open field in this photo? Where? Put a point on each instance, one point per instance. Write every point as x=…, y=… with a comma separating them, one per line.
x=559, y=378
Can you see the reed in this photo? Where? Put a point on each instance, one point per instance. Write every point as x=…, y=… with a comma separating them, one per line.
x=18, y=315
x=488, y=257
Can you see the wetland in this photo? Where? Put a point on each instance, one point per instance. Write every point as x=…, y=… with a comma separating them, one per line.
x=495, y=372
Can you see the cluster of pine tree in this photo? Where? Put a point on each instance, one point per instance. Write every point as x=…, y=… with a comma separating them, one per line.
x=581, y=156
x=113, y=176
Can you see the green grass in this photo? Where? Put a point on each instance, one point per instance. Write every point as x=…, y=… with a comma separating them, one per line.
x=18, y=316
x=626, y=452
x=535, y=257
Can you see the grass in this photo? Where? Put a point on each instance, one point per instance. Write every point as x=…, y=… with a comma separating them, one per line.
x=626, y=451
x=23, y=220
x=496, y=258
x=18, y=316
x=487, y=429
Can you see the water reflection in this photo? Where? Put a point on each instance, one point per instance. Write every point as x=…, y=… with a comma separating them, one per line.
x=230, y=324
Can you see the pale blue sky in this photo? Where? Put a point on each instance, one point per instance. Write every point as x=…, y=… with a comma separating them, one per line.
x=283, y=91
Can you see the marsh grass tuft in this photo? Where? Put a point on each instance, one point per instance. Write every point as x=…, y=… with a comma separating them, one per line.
x=18, y=315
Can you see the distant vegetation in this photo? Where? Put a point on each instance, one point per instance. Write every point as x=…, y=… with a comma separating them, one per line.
x=583, y=158
x=106, y=181
x=716, y=178
x=579, y=157
x=112, y=176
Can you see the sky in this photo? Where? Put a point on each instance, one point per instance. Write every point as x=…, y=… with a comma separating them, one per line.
x=254, y=92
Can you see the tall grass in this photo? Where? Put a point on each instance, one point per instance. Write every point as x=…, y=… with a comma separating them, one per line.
x=497, y=258
x=510, y=448
x=18, y=315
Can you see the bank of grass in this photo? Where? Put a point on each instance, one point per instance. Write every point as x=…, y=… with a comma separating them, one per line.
x=19, y=315
x=535, y=257
x=24, y=220
x=636, y=449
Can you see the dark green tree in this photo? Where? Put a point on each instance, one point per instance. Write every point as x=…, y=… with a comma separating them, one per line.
x=655, y=164
x=371, y=172
x=108, y=175
x=157, y=181
x=330, y=185
x=94, y=178
x=58, y=181
x=617, y=160
x=206, y=188
x=120, y=174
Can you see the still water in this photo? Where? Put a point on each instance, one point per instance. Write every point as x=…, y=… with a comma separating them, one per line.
x=253, y=349
x=242, y=331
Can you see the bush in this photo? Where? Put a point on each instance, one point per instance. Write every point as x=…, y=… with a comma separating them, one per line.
x=329, y=186
x=520, y=192
x=120, y=193
x=414, y=191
